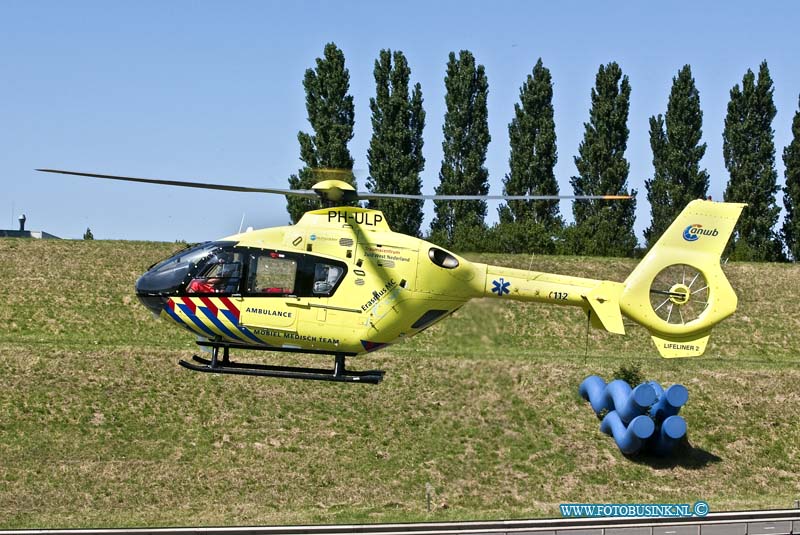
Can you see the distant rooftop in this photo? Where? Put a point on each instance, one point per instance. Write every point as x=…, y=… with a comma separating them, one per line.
x=22, y=233
x=37, y=234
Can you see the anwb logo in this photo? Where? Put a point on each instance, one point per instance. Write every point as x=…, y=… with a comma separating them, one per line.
x=693, y=232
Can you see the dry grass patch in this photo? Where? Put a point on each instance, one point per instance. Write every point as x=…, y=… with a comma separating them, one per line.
x=99, y=426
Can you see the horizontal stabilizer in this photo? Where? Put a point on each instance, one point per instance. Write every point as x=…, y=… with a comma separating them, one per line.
x=603, y=300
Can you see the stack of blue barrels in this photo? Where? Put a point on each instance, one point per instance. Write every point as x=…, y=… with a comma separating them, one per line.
x=642, y=418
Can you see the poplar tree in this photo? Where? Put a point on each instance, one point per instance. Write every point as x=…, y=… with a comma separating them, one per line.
x=604, y=228
x=677, y=152
x=395, y=150
x=532, y=135
x=331, y=115
x=749, y=151
x=791, y=191
x=466, y=139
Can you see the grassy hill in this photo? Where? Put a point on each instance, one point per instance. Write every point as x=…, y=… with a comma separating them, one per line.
x=100, y=427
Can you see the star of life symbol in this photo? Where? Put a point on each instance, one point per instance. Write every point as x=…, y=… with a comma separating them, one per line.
x=501, y=287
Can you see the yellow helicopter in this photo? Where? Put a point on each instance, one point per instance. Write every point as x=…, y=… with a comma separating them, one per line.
x=341, y=283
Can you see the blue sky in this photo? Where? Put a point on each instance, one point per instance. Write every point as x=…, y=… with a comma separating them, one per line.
x=202, y=90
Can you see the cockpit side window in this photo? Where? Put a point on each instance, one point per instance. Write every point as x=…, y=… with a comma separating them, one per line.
x=220, y=273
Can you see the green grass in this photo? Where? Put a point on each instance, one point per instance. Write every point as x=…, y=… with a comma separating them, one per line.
x=100, y=427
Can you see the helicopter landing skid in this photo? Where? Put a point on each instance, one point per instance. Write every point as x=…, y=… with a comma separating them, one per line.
x=338, y=374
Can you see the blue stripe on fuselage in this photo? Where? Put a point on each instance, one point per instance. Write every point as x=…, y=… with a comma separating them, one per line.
x=186, y=310
x=221, y=326
x=235, y=321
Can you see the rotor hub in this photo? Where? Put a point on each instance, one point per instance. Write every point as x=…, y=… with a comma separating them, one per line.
x=680, y=294
x=335, y=191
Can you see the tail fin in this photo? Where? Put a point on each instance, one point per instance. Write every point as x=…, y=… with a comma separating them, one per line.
x=678, y=291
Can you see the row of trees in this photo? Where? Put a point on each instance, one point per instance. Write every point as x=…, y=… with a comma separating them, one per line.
x=600, y=228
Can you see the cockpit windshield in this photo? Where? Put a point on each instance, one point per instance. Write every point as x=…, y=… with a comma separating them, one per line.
x=206, y=262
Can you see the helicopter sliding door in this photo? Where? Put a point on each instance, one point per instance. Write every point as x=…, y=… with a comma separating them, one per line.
x=270, y=285
x=285, y=298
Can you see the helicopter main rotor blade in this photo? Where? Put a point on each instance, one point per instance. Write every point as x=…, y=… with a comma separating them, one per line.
x=308, y=193
x=369, y=195
x=350, y=195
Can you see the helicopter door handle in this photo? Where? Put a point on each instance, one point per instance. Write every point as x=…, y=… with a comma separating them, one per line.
x=340, y=309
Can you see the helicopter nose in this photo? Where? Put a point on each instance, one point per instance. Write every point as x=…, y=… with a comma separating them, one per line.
x=162, y=280
x=154, y=303
x=155, y=286
x=148, y=295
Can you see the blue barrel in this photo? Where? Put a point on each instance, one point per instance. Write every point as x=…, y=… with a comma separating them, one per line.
x=673, y=429
x=670, y=402
x=593, y=389
x=657, y=388
x=630, y=403
x=629, y=439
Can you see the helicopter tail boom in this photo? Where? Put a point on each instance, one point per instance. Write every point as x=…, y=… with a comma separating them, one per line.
x=601, y=297
x=679, y=291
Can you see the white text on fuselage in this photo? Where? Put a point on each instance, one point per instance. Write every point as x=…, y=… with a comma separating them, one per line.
x=359, y=218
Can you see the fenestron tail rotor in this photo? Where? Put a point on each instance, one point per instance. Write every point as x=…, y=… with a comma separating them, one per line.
x=679, y=294
x=331, y=189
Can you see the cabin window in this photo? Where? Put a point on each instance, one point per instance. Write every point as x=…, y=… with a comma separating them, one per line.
x=326, y=278
x=276, y=274
x=271, y=274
